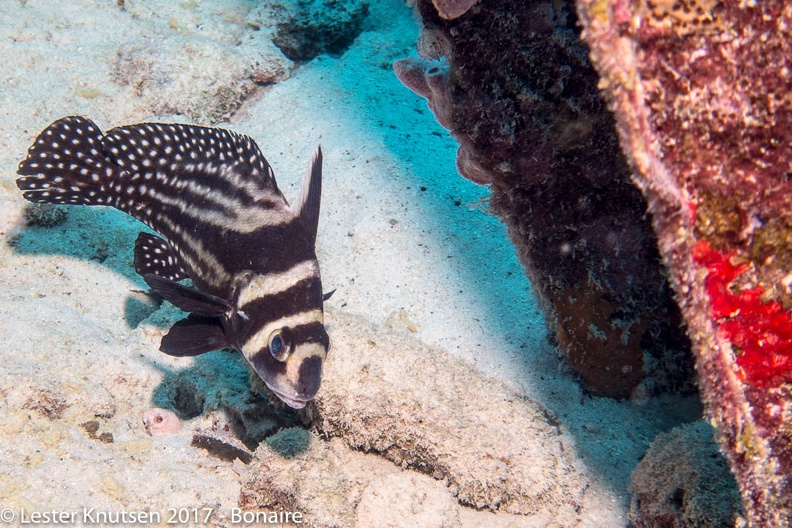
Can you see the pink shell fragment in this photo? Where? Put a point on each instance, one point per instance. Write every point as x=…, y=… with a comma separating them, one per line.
x=161, y=421
x=451, y=9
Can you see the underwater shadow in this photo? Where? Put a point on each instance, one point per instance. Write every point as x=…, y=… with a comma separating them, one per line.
x=99, y=234
x=217, y=386
x=451, y=207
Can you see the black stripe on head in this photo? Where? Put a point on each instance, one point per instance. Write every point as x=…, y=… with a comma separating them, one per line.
x=311, y=333
x=303, y=296
x=303, y=334
x=310, y=375
x=268, y=368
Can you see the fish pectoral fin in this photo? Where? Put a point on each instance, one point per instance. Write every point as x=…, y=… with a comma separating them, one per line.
x=193, y=336
x=154, y=255
x=306, y=208
x=186, y=298
x=327, y=295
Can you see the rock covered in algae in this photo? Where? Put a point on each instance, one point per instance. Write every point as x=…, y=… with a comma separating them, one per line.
x=154, y=71
x=683, y=481
x=332, y=485
x=700, y=92
x=303, y=29
x=397, y=417
x=512, y=82
x=239, y=50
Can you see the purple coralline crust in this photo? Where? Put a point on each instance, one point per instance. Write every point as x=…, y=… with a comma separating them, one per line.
x=517, y=91
x=428, y=79
x=702, y=97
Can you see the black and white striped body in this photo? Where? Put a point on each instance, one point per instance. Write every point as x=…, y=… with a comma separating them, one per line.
x=225, y=225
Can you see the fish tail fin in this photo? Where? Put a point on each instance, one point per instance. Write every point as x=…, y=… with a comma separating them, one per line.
x=66, y=165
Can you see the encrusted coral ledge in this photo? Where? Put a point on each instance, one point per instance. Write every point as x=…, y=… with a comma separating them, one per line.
x=702, y=106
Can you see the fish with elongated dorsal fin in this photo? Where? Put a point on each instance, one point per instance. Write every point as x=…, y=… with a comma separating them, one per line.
x=224, y=224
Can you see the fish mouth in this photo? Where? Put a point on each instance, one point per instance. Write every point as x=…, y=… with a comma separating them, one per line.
x=291, y=401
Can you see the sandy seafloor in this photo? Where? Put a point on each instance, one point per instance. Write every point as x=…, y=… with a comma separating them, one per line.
x=405, y=241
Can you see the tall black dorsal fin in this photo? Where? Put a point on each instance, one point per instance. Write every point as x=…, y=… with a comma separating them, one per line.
x=194, y=336
x=306, y=208
x=155, y=256
x=188, y=299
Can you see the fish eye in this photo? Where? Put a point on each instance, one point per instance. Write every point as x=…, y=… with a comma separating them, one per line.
x=280, y=345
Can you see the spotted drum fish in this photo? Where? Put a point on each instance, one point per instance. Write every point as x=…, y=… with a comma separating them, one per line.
x=224, y=224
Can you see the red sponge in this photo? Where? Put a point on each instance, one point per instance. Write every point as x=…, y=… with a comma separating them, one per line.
x=762, y=331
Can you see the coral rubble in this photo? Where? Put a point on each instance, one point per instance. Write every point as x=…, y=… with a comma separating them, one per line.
x=238, y=52
x=428, y=412
x=700, y=92
x=512, y=82
x=333, y=485
x=154, y=71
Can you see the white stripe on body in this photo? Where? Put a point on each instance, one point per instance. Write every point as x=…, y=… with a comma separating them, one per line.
x=263, y=285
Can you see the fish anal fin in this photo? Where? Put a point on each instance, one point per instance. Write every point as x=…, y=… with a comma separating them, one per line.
x=188, y=299
x=155, y=256
x=194, y=336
